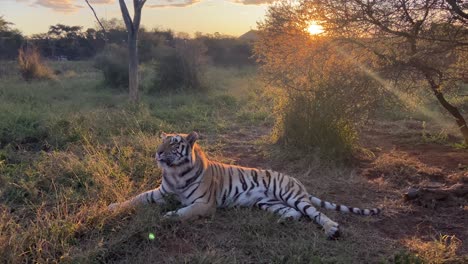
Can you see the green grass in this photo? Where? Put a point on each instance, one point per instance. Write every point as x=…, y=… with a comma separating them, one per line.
x=71, y=146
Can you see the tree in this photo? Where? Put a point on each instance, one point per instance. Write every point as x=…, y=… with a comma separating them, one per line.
x=133, y=26
x=324, y=98
x=10, y=40
x=412, y=39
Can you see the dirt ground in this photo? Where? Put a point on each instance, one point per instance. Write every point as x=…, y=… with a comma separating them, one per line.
x=394, y=159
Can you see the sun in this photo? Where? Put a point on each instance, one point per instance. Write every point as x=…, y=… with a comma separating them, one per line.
x=315, y=29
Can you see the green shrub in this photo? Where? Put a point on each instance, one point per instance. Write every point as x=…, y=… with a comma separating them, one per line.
x=311, y=122
x=181, y=67
x=326, y=114
x=113, y=62
x=31, y=65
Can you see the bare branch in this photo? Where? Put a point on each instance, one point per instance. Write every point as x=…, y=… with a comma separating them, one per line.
x=457, y=9
x=97, y=18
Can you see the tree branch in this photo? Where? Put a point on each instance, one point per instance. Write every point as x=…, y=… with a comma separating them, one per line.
x=126, y=16
x=97, y=18
x=457, y=9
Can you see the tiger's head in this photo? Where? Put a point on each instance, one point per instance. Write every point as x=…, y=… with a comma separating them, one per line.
x=176, y=150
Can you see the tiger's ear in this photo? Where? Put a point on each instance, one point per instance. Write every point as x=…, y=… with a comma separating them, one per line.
x=192, y=137
x=163, y=135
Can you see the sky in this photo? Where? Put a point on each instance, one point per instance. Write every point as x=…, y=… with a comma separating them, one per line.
x=231, y=17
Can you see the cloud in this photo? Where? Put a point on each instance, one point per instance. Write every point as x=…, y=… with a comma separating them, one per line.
x=253, y=2
x=174, y=3
x=65, y=6
x=69, y=6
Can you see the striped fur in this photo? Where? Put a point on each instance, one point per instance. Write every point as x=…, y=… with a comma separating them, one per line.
x=203, y=185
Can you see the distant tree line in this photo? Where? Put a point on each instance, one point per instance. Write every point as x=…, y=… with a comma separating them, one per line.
x=63, y=42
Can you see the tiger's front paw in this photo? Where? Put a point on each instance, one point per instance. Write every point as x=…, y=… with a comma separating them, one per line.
x=332, y=230
x=113, y=207
x=171, y=216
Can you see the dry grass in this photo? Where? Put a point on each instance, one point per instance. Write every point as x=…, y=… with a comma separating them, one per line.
x=401, y=169
x=54, y=188
x=439, y=250
x=31, y=65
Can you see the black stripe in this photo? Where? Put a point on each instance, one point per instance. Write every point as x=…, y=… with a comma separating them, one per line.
x=242, y=179
x=164, y=191
x=274, y=187
x=296, y=204
x=197, y=174
x=338, y=208
x=322, y=204
x=192, y=192
x=315, y=217
x=304, y=210
x=152, y=198
x=279, y=209
x=281, y=176
x=351, y=209
x=264, y=183
x=252, y=186
x=289, y=196
x=201, y=196
x=268, y=175
x=191, y=180
x=183, y=150
x=255, y=177
x=224, y=197
x=189, y=169
x=230, y=181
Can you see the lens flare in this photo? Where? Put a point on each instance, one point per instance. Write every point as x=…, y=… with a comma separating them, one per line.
x=315, y=29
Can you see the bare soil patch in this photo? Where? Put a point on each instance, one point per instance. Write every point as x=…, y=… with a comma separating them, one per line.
x=399, y=160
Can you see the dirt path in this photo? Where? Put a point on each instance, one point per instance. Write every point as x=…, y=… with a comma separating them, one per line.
x=398, y=159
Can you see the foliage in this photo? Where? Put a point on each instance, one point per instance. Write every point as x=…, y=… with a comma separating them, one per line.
x=10, y=40
x=181, y=67
x=31, y=65
x=227, y=51
x=113, y=62
x=411, y=41
x=316, y=121
x=326, y=95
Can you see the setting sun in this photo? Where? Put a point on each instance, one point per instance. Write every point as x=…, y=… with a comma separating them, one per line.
x=315, y=29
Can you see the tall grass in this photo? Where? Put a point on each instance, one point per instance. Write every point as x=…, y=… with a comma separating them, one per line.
x=69, y=148
x=31, y=65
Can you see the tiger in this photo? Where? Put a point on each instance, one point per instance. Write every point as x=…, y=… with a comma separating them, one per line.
x=202, y=185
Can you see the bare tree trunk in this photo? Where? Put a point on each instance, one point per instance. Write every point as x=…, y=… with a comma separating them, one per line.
x=133, y=67
x=133, y=26
x=461, y=122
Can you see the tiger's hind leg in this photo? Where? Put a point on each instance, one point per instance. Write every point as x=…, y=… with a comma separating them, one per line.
x=277, y=207
x=305, y=206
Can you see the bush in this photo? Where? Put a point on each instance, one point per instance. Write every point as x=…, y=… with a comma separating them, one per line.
x=310, y=122
x=326, y=116
x=181, y=67
x=31, y=65
x=113, y=62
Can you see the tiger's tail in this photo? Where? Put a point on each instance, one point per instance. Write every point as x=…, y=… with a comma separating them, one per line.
x=343, y=208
